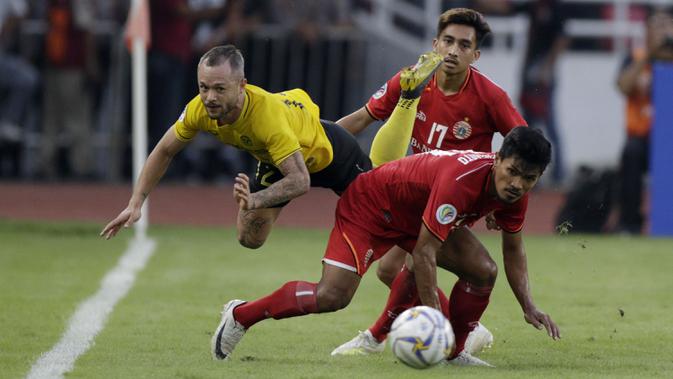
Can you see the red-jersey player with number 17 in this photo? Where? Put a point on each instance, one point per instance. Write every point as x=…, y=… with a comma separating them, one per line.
x=464, y=120
x=460, y=108
x=424, y=203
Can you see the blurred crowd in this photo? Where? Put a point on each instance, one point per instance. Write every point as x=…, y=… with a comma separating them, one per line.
x=64, y=78
x=61, y=73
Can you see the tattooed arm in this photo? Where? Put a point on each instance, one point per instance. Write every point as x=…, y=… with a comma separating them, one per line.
x=154, y=169
x=255, y=218
x=296, y=182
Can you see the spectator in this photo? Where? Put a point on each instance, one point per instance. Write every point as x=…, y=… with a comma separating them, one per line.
x=309, y=18
x=239, y=18
x=483, y=6
x=635, y=82
x=546, y=41
x=71, y=67
x=169, y=56
x=18, y=78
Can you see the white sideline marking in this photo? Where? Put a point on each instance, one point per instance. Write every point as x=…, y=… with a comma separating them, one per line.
x=91, y=315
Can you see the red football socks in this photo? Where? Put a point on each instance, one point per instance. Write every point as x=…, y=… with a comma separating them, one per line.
x=292, y=299
x=403, y=295
x=467, y=304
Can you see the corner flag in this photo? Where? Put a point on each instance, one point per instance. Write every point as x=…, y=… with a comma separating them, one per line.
x=138, y=24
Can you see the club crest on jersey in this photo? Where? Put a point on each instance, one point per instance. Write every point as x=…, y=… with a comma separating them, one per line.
x=421, y=116
x=382, y=91
x=446, y=213
x=462, y=130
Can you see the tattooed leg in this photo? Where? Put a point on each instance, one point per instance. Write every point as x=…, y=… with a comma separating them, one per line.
x=254, y=226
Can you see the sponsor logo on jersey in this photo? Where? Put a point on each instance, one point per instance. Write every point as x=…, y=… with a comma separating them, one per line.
x=462, y=130
x=446, y=213
x=382, y=91
x=423, y=148
x=421, y=116
x=368, y=256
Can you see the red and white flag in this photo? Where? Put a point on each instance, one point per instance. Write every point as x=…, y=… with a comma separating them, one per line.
x=138, y=24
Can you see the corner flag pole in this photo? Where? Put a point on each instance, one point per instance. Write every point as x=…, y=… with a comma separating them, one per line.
x=137, y=36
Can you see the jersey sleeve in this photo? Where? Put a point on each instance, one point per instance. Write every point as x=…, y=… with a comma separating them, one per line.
x=444, y=205
x=505, y=115
x=511, y=219
x=274, y=129
x=382, y=103
x=186, y=126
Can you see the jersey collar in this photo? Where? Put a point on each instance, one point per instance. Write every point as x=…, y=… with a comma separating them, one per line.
x=244, y=110
x=462, y=87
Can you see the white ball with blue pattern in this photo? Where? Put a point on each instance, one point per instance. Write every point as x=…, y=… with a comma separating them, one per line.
x=421, y=337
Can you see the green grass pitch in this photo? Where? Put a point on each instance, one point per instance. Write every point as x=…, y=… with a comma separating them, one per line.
x=611, y=296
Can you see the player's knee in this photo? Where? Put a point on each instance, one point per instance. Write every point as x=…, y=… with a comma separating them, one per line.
x=250, y=242
x=488, y=272
x=332, y=299
x=386, y=274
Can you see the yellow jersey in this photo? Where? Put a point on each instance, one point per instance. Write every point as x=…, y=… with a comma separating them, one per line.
x=271, y=127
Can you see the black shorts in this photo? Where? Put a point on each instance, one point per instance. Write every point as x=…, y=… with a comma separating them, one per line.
x=348, y=162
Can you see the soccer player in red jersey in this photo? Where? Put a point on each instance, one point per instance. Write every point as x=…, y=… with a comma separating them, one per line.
x=424, y=203
x=460, y=108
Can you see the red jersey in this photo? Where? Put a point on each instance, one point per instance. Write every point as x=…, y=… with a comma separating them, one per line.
x=442, y=189
x=466, y=120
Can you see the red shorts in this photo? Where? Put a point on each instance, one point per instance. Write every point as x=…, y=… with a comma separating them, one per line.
x=353, y=248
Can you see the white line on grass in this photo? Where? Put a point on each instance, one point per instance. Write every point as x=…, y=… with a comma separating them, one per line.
x=91, y=315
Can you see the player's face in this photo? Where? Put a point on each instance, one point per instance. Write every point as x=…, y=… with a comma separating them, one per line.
x=458, y=45
x=221, y=91
x=512, y=178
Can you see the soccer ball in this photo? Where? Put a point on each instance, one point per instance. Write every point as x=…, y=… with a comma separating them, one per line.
x=421, y=337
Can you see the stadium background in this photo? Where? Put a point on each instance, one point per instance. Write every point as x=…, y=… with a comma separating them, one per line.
x=340, y=52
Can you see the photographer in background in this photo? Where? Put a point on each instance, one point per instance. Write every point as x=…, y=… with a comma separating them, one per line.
x=635, y=82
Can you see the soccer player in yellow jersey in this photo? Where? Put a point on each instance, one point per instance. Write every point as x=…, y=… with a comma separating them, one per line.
x=295, y=149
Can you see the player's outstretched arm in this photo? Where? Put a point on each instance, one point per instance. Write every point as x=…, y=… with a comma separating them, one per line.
x=296, y=182
x=425, y=267
x=356, y=121
x=155, y=168
x=516, y=269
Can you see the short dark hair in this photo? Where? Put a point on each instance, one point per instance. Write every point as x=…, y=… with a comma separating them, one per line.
x=529, y=145
x=465, y=16
x=225, y=53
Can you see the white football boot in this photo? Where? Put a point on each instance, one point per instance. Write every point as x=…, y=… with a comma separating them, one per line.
x=228, y=333
x=478, y=340
x=363, y=344
x=466, y=359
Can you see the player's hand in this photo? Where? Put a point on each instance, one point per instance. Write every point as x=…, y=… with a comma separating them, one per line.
x=490, y=222
x=126, y=218
x=540, y=319
x=242, y=193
